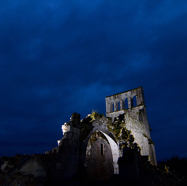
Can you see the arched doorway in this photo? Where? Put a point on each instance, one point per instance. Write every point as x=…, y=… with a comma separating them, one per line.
x=115, y=152
x=101, y=155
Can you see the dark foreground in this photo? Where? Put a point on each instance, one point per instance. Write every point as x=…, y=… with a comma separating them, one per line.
x=148, y=175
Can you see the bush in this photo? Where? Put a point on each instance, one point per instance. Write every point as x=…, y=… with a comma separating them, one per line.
x=177, y=165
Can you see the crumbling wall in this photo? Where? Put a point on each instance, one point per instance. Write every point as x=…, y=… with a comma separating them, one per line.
x=99, y=161
x=98, y=124
x=135, y=118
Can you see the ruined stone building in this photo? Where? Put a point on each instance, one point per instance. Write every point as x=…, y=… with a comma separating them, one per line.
x=99, y=147
x=98, y=142
x=132, y=105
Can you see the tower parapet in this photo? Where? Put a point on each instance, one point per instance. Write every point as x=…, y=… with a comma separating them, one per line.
x=132, y=105
x=118, y=103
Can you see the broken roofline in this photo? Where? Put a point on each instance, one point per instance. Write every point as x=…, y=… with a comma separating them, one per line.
x=125, y=91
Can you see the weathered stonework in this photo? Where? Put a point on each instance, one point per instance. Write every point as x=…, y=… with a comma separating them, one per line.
x=122, y=127
x=99, y=162
x=96, y=147
x=135, y=118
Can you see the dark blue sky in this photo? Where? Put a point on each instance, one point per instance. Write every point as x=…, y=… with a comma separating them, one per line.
x=58, y=57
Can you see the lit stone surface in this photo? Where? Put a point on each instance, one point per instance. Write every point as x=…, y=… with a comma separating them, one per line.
x=135, y=118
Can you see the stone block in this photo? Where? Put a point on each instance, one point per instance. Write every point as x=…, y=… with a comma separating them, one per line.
x=33, y=167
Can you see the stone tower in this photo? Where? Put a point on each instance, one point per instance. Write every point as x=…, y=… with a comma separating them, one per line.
x=132, y=104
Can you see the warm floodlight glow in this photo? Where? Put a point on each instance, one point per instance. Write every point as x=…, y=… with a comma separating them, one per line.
x=58, y=142
x=65, y=128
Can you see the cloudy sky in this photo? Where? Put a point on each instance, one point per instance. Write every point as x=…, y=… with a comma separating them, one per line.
x=58, y=57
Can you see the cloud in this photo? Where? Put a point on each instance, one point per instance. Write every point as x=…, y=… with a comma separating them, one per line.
x=60, y=57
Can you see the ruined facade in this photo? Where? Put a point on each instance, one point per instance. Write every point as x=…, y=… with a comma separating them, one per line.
x=97, y=147
x=97, y=142
x=132, y=104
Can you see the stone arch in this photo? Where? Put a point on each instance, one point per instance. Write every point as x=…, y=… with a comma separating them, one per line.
x=115, y=152
x=112, y=142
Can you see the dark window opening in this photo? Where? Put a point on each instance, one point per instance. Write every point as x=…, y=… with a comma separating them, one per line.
x=119, y=105
x=134, y=102
x=102, y=149
x=126, y=103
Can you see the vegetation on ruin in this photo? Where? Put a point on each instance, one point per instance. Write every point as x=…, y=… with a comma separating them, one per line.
x=121, y=133
x=149, y=140
x=97, y=135
x=145, y=135
x=118, y=128
x=86, y=124
x=95, y=115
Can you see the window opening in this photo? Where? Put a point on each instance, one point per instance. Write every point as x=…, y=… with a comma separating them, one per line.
x=134, y=102
x=119, y=105
x=126, y=103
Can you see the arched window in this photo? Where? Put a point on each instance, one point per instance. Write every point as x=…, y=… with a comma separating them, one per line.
x=134, y=102
x=126, y=103
x=119, y=105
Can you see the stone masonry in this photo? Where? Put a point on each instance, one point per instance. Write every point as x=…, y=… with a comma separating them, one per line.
x=96, y=147
x=132, y=104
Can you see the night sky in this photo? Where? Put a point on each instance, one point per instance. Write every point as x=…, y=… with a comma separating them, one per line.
x=63, y=56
